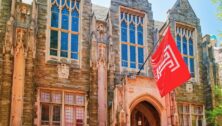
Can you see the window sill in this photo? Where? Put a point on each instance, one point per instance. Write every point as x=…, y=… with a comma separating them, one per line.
x=59, y=60
x=132, y=71
x=192, y=80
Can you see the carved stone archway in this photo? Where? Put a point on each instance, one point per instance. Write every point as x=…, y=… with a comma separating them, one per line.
x=146, y=110
x=144, y=114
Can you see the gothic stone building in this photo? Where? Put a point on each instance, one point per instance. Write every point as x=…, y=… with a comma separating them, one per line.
x=72, y=63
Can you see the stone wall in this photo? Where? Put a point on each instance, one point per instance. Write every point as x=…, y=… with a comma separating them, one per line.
x=4, y=100
x=218, y=60
x=46, y=72
x=116, y=78
x=182, y=12
x=142, y=5
x=4, y=16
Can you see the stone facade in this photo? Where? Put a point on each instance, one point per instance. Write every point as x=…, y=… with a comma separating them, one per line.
x=182, y=13
x=112, y=95
x=218, y=60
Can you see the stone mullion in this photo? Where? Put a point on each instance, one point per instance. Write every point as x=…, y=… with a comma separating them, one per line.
x=136, y=47
x=69, y=33
x=59, y=31
x=128, y=40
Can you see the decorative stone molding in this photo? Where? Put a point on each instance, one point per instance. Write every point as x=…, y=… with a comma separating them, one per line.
x=20, y=39
x=189, y=87
x=101, y=32
x=7, y=48
x=100, y=29
x=102, y=55
x=63, y=71
x=23, y=14
x=31, y=44
x=122, y=117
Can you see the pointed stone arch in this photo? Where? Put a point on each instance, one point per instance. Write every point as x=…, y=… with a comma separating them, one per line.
x=148, y=98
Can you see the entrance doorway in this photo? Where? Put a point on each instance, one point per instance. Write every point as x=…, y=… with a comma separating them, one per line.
x=145, y=114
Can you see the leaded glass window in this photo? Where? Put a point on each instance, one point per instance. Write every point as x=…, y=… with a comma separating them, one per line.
x=132, y=40
x=54, y=103
x=190, y=115
x=64, y=29
x=184, y=38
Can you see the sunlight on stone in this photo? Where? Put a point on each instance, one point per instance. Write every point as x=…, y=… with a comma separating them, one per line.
x=27, y=1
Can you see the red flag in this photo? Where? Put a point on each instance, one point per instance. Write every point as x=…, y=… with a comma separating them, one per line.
x=169, y=68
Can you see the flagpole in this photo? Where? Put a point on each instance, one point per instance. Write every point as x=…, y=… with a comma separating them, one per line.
x=138, y=73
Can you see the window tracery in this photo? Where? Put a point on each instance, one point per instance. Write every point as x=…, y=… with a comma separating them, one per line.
x=64, y=29
x=132, y=37
x=184, y=38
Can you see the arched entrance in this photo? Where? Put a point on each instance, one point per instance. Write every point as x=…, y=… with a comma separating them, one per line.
x=145, y=114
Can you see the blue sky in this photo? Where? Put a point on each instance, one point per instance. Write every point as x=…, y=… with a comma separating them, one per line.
x=204, y=9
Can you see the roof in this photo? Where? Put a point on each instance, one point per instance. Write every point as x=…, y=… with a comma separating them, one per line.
x=158, y=24
x=100, y=12
x=184, y=5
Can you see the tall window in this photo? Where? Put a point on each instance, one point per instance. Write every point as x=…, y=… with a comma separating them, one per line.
x=53, y=104
x=185, y=44
x=132, y=45
x=64, y=30
x=190, y=115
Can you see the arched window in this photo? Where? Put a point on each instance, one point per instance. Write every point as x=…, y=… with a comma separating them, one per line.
x=184, y=45
x=140, y=44
x=185, y=36
x=124, y=45
x=64, y=30
x=179, y=42
x=191, y=54
x=132, y=45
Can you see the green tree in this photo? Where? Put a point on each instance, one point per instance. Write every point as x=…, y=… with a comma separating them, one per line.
x=215, y=114
x=218, y=3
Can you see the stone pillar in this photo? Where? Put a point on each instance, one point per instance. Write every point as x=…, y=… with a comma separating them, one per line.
x=93, y=89
x=7, y=74
x=102, y=85
x=29, y=88
x=18, y=79
x=110, y=72
x=171, y=109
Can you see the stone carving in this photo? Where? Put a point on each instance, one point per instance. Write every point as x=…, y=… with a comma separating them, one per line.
x=100, y=32
x=100, y=28
x=8, y=39
x=31, y=44
x=189, y=88
x=122, y=117
x=22, y=13
x=19, y=45
x=102, y=55
x=63, y=71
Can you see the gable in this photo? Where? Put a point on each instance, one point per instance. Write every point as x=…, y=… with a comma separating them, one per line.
x=184, y=8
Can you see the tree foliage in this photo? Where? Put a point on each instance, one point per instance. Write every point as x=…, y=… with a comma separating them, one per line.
x=216, y=112
x=218, y=3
